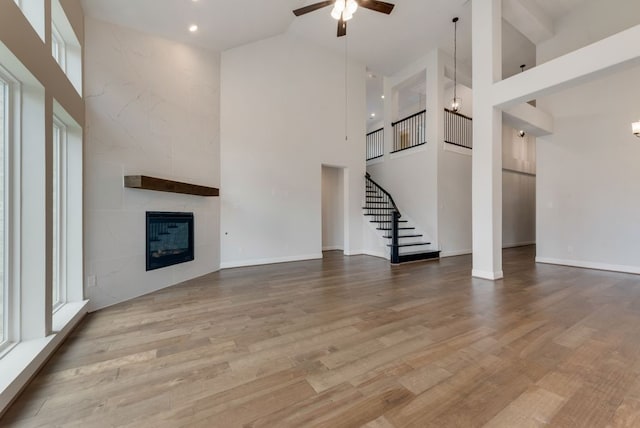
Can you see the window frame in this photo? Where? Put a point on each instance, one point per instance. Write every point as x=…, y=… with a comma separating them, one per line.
x=4, y=105
x=60, y=256
x=11, y=183
x=58, y=47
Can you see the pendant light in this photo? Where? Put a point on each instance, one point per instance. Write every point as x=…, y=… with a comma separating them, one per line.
x=455, y=102
x=521, y=133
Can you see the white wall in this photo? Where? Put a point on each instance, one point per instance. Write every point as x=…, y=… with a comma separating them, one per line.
x=152, y=108
x=454, y=183
x=455, y=201
x=332, y=209
x=588, y=176
x=283, y=117
x=593, y=20
x=587, y=170
x=518, y=188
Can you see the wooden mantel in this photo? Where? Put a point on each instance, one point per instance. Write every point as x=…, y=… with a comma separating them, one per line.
x=161, y=185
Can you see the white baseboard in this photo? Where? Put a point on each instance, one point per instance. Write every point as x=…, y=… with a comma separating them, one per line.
x=380, y=254
x=455, y=253
x=519, y=244
x=333, y=248
x=492, y=276
x=590, y=265
x=352, y=252
x=23, y=361
x=268, y=261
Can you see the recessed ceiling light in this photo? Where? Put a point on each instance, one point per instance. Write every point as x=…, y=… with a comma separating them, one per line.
x=373, y=115
x=382, y=97
x=193, y=28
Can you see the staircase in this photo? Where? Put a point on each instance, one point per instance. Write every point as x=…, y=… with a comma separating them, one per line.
x=405, y=243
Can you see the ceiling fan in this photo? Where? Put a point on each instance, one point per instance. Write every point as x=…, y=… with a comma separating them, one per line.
x=343, y=10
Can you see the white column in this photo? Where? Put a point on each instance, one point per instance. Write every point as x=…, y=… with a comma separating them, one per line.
x=435, y=129
x=487, y=140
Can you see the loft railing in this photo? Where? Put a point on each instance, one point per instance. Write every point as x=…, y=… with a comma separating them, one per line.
x=375, y=144
x=458, y=129
x=410, y=131
x=383, y=209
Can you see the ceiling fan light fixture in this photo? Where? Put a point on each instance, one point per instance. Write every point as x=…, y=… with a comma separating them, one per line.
x=344, y=9
x=351, y=6
x=338, y=8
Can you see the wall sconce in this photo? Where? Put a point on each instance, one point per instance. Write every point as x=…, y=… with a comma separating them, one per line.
x=636, y=128
x=522, y=133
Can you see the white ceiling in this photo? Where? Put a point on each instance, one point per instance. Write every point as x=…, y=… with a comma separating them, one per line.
x=223, y=24
x=558, y=8
x=384, y=43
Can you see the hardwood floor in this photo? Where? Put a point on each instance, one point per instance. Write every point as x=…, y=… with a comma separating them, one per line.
x=352, y=341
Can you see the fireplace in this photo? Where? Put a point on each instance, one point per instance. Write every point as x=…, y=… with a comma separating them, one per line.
x=169, y=239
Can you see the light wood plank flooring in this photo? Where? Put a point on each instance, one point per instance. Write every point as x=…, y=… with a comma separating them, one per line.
x=352, y=341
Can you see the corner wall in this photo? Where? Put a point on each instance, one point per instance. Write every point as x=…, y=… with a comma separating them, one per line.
x=518, y=188
x=588, y=175
x=283, y=117
x=152, y=107
x=588, y=178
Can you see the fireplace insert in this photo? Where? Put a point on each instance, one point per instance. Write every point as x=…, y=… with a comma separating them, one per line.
x=169, y=239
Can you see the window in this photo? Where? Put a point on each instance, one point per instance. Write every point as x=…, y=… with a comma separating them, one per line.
x=4, y=132
x=59, y=213
x=57, y=47
x=65, y=46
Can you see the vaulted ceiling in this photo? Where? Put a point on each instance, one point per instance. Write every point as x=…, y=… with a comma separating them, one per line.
x=384, y=43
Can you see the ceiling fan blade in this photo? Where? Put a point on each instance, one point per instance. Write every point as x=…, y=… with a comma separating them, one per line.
x=377, y=5
x=342, y=27
x=312, y=7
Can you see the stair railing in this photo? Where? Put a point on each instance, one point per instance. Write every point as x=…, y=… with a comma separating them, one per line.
x=375, y=144
x=395, y=216
x=410, y=132
x=458, y=129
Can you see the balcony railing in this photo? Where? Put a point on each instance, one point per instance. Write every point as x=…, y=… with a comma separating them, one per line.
x=458, y=129
x=375, y=144
x=410, y=132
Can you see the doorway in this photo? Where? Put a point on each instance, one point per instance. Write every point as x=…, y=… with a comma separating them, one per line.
x=333, y=224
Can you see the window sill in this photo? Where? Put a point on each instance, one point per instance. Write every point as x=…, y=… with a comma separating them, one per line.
x=24, y=360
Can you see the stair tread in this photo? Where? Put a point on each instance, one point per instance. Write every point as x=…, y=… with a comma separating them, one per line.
x=413, y=244
x=415, y=253
x=386, y=221
x=403, y=236
x=418, y=256
x=400, y=228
